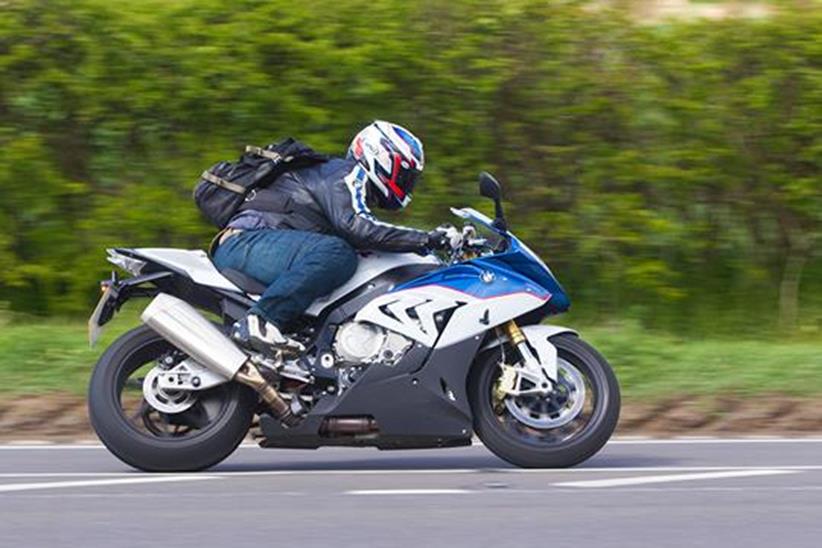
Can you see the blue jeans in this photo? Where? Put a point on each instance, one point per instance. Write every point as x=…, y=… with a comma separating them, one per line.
x=298, y=267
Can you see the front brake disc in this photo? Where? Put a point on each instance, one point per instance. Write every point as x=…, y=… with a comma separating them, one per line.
x=553, y=410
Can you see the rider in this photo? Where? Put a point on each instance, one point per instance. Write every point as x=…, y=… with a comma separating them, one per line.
x=301, y=234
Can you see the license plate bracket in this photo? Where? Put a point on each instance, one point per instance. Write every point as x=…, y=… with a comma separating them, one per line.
x=102, y=313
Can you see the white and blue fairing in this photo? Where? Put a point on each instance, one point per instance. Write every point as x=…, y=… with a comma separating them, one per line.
x=478, y=295
x=517, y=269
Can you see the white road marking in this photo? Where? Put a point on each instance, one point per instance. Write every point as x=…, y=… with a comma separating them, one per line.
x=211, y=496
x=710, y=441
x=48, y=446
x=409, y=492
x=447, y=471
x=642, y=480
x=698, y=440
x=416, y=471
x=702, y=489
x=97, y=483
x=83, y=475
x=628, y=440
x=29, y=442
x=179, y=495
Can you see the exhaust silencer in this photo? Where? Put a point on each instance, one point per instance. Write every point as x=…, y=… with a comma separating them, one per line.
x=180, y=324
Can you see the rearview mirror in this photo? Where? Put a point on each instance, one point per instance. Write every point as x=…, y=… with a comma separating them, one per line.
x=489, y=187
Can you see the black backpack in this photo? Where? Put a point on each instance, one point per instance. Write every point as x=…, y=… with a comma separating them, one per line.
x=225, y=186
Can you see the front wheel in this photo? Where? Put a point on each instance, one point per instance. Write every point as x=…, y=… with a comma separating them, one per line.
x=559, y=430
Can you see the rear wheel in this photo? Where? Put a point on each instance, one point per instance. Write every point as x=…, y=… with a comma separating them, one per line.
x=196, y=429
x=560, y=429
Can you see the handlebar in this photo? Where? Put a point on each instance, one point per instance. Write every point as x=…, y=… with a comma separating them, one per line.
x=471, y=246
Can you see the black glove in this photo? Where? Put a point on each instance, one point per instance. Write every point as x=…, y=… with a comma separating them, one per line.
x=438, y=240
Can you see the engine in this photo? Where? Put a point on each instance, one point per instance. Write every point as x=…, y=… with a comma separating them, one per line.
x=358, y=343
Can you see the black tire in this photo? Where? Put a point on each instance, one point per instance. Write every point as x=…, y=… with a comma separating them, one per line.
x=205, y=448
x=526, y=453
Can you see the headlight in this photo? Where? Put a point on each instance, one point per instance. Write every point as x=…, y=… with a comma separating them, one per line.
x=129, y=264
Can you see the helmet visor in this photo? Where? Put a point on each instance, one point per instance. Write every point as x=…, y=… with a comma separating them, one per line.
x=402, y=182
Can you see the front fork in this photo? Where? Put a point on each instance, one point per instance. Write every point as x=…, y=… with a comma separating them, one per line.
x=532, y=376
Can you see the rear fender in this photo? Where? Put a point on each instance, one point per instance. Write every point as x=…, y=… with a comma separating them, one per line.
x=116, y=293
x=228, y=305
x=119, y=291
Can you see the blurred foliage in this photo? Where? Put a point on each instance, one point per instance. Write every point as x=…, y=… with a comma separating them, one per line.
x=52, y=355
x=669, y=173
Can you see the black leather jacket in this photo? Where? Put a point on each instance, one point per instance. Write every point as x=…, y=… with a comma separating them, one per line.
x=329, y=198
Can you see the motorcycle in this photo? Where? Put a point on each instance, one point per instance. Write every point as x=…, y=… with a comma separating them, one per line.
x=413, y=351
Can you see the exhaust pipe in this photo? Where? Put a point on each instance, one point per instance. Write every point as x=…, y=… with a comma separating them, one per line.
x=180, y=324
x=349, y=425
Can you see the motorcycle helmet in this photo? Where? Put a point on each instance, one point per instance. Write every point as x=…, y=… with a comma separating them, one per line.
x=393, y=160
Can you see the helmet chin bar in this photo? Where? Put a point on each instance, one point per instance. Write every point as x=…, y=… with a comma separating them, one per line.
x=376, y=197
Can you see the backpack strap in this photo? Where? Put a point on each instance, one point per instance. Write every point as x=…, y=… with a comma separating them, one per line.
x=270, y=154
x=228, y=185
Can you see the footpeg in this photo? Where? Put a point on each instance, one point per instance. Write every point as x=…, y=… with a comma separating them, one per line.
x=292, y=346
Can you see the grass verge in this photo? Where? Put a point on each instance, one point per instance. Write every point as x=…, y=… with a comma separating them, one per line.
x=49, y=356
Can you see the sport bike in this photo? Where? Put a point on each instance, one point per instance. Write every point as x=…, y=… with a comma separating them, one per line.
x=413, y=352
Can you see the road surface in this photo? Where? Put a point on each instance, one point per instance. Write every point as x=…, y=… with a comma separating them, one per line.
x=635, y=492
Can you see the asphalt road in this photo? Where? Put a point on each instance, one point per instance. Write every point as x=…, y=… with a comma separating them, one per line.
x=655, y=493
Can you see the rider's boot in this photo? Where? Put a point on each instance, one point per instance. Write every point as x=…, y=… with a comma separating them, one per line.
x=255, y=333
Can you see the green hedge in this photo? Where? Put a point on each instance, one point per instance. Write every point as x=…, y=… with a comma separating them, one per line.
x=669, y=172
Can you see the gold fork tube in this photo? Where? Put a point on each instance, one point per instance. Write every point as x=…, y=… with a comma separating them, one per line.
x=514, y=333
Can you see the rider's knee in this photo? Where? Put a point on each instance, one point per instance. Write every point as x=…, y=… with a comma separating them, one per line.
x=341, y=255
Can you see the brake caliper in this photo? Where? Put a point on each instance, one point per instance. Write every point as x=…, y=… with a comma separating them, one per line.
x=504, y=385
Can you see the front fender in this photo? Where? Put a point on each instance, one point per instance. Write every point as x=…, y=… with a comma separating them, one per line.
x=539, y=338
x=534, y=334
